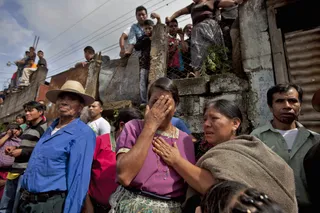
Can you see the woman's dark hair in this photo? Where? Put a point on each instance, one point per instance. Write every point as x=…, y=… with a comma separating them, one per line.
x=127, y=114
x=226, y=108
x=141, y=8
x=23, y=117
x=231, y=196
x=167, y=85
x=282, y=88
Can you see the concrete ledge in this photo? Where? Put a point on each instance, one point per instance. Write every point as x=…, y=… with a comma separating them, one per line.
x=192, y=86
x=228, y=82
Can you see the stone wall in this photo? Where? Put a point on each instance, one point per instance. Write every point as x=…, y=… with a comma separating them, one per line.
x=13, y=103
x=195, y=92
x=256, y=58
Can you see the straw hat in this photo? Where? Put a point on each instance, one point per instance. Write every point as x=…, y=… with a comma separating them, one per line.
x=316, y=101
x=73, y=87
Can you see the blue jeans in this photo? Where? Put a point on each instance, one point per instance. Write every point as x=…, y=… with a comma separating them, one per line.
x=11, y=195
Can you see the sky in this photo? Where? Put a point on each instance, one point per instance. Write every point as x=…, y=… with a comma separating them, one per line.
x=65, y=27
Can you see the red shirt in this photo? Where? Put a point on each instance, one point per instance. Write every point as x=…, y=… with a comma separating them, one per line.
x=103, y=172
x=3, y=176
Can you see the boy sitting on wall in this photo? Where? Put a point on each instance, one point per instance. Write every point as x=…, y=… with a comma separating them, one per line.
x=31, y=67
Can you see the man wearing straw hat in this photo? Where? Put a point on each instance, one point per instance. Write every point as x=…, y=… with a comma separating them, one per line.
x=58, y=173
x=312, y=164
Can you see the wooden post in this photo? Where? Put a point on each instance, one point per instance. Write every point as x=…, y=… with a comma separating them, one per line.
x=92, y=84
x=159, y=49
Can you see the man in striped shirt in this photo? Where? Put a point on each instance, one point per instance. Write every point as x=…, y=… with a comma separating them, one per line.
x=37, y=126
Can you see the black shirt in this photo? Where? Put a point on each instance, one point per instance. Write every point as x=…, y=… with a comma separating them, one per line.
x=144, y=45
x=312, y=170
x=42, y=62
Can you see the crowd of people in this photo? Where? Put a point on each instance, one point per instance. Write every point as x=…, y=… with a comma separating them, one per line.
x=187, y=47
x=155, y=164
x=149, y=162
x=25, y=67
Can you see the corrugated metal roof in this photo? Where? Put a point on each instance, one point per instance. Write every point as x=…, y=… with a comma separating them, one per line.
x=303, y=59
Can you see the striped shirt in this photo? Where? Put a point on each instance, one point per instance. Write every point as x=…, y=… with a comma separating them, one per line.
x=28, y=141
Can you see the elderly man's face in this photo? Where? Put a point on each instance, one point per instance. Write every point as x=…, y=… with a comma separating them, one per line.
x=68, y=105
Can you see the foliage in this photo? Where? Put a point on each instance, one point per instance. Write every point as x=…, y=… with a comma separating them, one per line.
x=216, y=61
x=2, y=127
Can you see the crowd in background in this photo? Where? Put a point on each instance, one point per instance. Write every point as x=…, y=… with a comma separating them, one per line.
x=149, y=161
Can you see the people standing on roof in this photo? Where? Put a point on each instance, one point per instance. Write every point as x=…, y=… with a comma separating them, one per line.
x=22, y=153
x=58, y=173
x=136, y=30
x=287, y=137
x=89, y=54
x=41, y=62
x=175, y=67
x=123, y=42
x=206, y=30
x=32, y=54
x=187, y=30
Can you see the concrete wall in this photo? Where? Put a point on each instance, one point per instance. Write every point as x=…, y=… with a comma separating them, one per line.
x=14, y=101
x=257, y=58
x=195, y=92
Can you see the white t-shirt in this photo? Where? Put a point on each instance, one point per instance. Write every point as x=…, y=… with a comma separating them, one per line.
x=127, y=31
x=289, y=136
x=100, y=126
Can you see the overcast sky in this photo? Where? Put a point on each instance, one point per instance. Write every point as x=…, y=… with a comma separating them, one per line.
x=65, y=27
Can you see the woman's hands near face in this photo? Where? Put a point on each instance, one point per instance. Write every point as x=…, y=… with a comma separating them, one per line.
x=170, y=154
x=155, y=115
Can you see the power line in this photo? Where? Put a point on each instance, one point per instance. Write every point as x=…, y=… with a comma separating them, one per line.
x=97, y=8
x=102, y=35
x=96, y=31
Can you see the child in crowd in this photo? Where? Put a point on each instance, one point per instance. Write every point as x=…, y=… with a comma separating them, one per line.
x=144, y=45
x=177, y=46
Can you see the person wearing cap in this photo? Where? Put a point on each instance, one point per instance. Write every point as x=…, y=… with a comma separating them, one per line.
x=287, y=137
x=58, y=173
x=311, y=164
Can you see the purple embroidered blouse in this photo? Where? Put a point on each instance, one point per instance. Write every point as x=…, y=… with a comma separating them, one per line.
x=155, y=175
